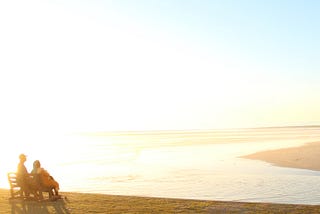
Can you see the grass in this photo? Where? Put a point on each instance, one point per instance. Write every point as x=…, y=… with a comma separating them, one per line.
x=98, y=203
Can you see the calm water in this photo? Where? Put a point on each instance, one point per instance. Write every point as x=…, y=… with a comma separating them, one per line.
x=193, y=164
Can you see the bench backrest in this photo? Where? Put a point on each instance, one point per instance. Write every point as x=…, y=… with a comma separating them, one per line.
x=12, y=179
x=15, y=189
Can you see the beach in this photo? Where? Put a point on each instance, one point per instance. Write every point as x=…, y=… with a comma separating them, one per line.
x=197, y=165
x=289, y=184
x=100, y=203
x=306, y=156
x=300, y=157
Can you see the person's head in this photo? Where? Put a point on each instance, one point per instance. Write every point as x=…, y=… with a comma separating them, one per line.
x=22, y=157
x=36, y=164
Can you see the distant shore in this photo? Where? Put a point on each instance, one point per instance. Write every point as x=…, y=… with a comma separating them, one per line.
x=306, y=156
x=99, y=203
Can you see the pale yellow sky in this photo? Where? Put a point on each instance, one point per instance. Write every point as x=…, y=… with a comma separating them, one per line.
x=68, y=66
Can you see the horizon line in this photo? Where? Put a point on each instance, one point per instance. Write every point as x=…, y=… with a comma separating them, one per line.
x=194, y=130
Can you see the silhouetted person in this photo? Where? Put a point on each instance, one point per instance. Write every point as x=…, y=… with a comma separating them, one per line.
x=23, y=177
x=44, y=179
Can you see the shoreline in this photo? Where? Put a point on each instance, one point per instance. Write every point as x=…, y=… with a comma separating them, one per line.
x=100, y=203
x=306, y=156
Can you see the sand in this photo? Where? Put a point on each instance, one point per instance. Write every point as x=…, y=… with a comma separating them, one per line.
x=303, y=157
x=98, y=203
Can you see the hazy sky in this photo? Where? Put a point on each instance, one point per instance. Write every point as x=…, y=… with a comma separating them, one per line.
x=158, y=64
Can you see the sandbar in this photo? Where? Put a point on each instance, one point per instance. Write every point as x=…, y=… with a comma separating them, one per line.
x=306, y=156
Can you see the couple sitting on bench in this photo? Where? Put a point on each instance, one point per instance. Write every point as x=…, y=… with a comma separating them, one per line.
x=36, y=182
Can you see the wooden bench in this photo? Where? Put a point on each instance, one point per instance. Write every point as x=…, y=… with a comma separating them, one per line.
x=18, y=192
x=15, y=190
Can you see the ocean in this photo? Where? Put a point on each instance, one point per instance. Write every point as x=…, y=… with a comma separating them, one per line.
x=196, y=164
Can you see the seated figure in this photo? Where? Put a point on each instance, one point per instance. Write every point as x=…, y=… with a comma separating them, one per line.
x=23, y=178
x=43, y=178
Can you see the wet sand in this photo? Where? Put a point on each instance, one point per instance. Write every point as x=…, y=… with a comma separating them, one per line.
x=302, y=157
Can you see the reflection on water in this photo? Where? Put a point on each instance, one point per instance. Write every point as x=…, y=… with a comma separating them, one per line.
x=198, y=164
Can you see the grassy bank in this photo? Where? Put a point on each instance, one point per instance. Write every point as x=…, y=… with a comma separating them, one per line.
x=97, y=203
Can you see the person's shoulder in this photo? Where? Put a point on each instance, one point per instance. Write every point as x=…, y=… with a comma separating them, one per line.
x=41, y=170
x=20, y=165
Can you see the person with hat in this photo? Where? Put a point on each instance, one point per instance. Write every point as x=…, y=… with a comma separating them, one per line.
x=23, y=177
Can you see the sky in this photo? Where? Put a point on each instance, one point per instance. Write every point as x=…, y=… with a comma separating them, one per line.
x=69, y=66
